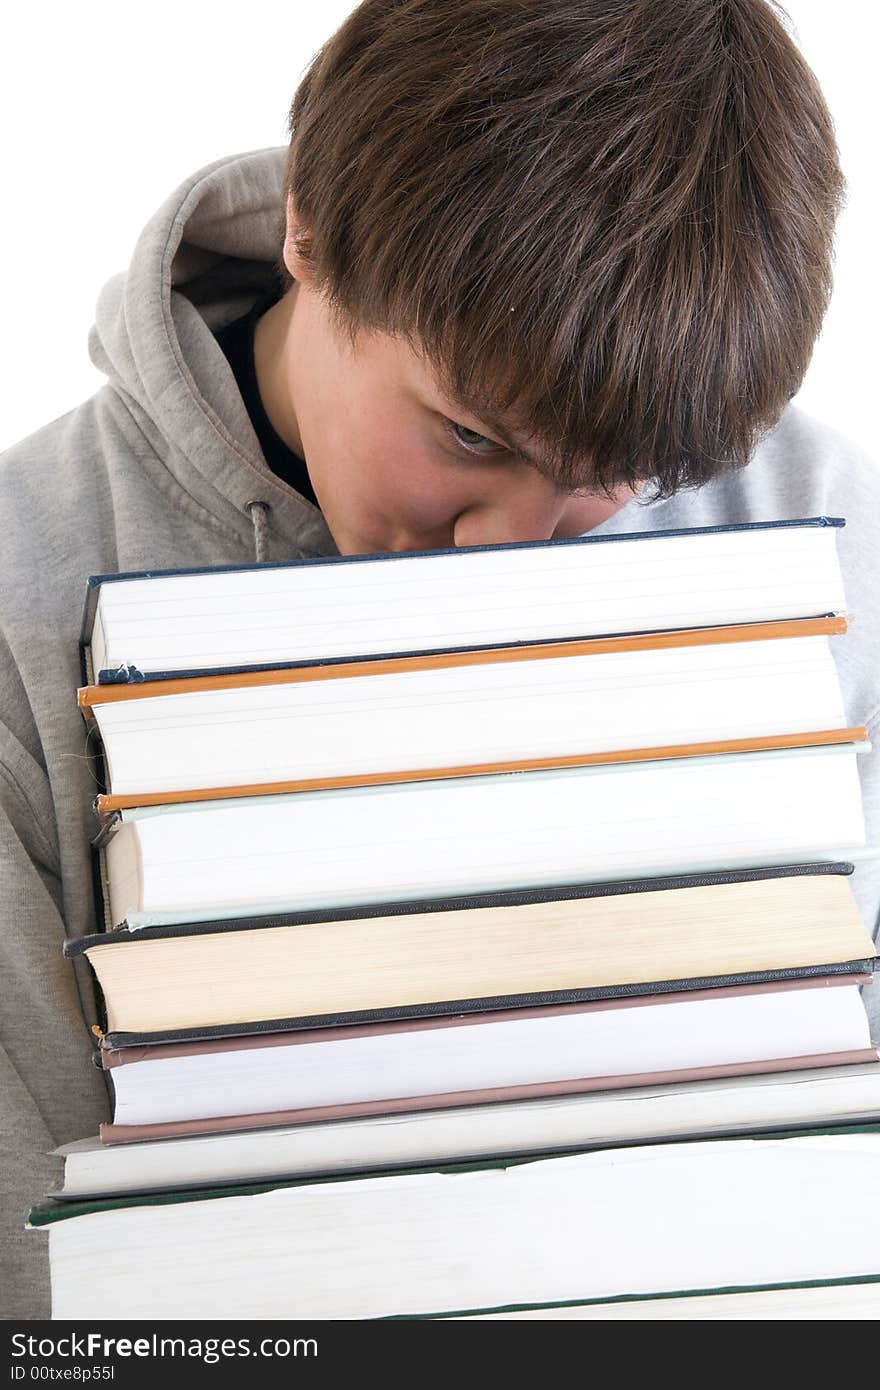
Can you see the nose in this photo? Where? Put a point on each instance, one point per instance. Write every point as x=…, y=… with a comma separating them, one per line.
x=527, y=507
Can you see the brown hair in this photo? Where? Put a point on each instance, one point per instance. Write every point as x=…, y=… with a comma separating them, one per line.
x=609, y=220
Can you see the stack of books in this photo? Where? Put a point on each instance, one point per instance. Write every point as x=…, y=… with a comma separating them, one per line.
x=530, y=861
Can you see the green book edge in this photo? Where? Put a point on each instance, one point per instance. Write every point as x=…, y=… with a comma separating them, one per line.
x=844, y=1281
x=46, y=1214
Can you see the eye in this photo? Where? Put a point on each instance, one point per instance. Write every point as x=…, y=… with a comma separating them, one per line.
x=474, y=442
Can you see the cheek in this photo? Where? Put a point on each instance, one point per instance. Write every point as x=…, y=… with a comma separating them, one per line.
x=372, y=458
x=581, y=514
x=407, y=481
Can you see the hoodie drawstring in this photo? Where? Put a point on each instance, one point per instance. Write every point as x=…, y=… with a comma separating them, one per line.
x=259, y=515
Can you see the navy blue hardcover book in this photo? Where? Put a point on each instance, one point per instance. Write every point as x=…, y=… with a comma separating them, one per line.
x=153, y=625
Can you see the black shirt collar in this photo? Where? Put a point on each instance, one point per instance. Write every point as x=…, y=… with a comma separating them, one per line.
x=237, y=343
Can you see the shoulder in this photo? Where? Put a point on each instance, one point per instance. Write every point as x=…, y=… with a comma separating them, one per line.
x=822, y=441
x=803, y=468
x=57, y=525
x=804, y=458
x=56, y=498
x=62, y=462
x=57, y=507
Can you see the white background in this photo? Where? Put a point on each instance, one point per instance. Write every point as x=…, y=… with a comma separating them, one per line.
x=105, y=107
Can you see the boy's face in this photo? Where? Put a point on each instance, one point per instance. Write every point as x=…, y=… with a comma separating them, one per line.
x=394, y=463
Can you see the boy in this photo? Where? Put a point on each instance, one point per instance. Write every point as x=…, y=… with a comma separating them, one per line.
x=547, y=268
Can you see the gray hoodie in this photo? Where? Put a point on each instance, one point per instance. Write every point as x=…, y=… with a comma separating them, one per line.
x=159, y=470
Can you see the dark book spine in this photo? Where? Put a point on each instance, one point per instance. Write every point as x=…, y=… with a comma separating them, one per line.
x=454, y=1007
x=466, y=902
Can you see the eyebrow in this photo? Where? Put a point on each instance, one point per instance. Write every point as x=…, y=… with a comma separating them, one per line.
x=507, y=439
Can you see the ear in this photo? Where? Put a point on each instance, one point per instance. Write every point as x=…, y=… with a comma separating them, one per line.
x=297, y=246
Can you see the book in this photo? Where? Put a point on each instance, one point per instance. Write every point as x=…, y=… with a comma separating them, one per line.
x=470, y=709
x=106, y=804
x=756, y=1103
x=329, y=1073
x=400, y=752
x=156, y=623
x=247, y=856
x=548, y=944
x=480, y=1238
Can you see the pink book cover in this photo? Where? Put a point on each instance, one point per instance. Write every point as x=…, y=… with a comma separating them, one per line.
x=122, y=1056
x=121, y=1134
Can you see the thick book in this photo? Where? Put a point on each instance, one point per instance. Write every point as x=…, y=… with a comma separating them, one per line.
x=756, y=1103
x=300, y=728
x=338, y=848
x=512, y=1054
x=152, y=624
x=556, y=944
x=107, y=804
x=639, y=1221
x=821, y=1299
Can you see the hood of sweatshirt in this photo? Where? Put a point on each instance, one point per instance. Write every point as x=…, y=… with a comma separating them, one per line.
x=201, y=261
